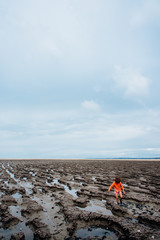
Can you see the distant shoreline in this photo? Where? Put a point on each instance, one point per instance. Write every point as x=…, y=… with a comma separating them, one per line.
x=82, y=159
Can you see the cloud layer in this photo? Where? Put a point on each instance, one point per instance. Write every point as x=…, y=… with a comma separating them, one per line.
x=79, y=78
x=74, y=133
x=132, y=82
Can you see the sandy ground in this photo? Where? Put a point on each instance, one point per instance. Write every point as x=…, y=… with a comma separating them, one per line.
x=63, y=199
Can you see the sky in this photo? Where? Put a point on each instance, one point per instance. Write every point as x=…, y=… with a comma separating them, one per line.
x=79, y=78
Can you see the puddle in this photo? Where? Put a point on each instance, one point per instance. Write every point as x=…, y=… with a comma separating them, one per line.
x=10, y=166
x=95, y=232
x=132, y=219
x=75, y=183
x=28, y=186
x=40, y=189
x=20, y=227
x=55, y=181
x=15, y=211
x=11, y=174
x=48, y=218
x=17, y=196
x=6, y=182
x=72, y=192
x=47, y=210
x=3, y=166
x=98, y=207
x=1, y=194
x=32, y=173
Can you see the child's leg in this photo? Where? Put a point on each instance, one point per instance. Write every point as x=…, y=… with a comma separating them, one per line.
x=120, y=194
x=117, y=197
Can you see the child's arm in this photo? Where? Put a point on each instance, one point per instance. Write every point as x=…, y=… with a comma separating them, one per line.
x=122, y=188
x=110, y=187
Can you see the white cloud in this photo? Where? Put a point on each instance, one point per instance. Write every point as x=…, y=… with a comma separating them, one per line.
x=70, y=133
x=125, y=132
x=131, y=81
x=90, y=105
x=149, y=149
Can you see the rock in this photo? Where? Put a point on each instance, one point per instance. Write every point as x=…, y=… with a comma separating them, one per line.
x=9, y=219
x=42, y=234
x=8, y=199
x=18, y=236
x=49, y=180
x=3, y=208
x=41, y=229
x=82, y=202
x=117, y=209
x=109, y=238
x=151, y=220
x=152, y=189
x=10, y=191
x=31, y=209
x=36, y=223
x=35, y=190
x=71, y=229
x=12, y=181
x=22, y=190
x=56, y=187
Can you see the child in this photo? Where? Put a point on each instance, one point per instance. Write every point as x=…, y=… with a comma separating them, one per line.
x=117, y=189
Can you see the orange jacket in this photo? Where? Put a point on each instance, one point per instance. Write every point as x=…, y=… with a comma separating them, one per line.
x=117, y=186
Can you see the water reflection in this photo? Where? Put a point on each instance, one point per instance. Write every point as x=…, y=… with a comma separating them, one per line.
x=97, y=206
x=95, y=232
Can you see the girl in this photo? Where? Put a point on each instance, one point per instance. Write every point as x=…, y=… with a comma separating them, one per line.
x=117, y=189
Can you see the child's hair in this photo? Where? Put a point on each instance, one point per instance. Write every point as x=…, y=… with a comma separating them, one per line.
x=117, y=180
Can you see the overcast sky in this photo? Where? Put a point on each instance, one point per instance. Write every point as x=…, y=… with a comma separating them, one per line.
x=79, y=78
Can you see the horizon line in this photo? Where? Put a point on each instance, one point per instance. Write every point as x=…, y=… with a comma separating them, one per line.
x=141, y=159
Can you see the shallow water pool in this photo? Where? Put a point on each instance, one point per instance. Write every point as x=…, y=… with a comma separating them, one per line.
x=95, y=232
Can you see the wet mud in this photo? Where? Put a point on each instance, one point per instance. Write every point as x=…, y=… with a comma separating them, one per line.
x=68, y=199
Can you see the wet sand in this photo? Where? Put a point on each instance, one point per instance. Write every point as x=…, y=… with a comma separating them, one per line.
x=64, y=199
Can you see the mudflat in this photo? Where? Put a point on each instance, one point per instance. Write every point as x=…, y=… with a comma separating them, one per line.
x=64, y=199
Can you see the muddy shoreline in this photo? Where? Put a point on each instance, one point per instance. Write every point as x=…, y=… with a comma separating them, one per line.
x=68, y=199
